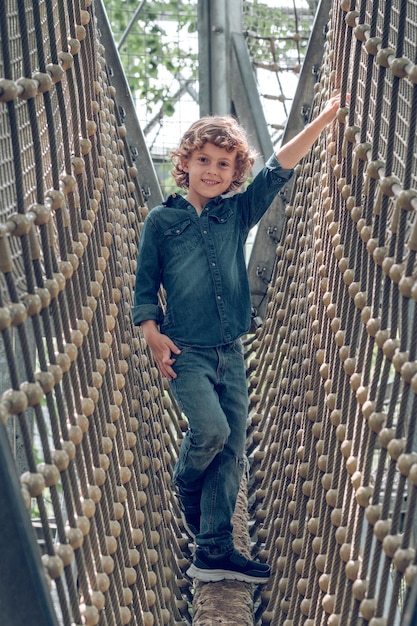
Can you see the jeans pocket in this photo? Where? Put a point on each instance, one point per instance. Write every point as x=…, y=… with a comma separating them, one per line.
x=237, y=347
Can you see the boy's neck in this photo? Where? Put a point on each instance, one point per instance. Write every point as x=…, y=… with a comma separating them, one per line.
x=197, y=203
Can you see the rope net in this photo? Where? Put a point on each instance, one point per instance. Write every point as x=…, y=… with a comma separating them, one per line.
x=277, y=38
x=332, y=372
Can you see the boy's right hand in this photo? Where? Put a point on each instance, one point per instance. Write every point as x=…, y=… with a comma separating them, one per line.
x=162, y=348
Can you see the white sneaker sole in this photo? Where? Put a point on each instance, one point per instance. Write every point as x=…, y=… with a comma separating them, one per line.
x=215, y=575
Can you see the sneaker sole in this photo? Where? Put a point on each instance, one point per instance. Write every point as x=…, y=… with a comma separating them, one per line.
x=215, y=575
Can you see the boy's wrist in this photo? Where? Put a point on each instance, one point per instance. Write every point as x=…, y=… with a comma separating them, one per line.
x=149, y=325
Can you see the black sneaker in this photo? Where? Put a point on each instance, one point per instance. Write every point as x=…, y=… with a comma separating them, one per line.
x=191, y=523
x=232, y=566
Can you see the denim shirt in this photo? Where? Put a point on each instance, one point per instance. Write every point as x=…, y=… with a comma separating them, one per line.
x=200, y=263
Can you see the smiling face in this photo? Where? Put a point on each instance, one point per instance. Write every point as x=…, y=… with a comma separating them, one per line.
x=211, y=171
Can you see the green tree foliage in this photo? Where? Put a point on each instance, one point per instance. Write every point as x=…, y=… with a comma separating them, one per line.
x=156, y=53
x=159, y=53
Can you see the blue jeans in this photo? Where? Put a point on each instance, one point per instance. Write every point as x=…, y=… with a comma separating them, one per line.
x=211, y=390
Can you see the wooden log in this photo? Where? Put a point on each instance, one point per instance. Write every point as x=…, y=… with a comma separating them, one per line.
x=228, y=602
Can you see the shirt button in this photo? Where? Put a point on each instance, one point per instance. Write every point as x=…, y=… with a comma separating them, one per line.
x=213, y=264
x=219, y=297
x=204, y=232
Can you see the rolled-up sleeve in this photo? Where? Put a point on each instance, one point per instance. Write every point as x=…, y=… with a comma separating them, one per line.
x=274, y=166
x=148, y=277
x=257, y=198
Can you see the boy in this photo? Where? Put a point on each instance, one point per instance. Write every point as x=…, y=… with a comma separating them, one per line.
x=194, y=247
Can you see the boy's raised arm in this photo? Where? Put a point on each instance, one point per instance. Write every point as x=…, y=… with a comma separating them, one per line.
x=293, y=151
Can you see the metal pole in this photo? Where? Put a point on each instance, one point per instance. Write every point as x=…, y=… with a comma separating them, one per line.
x=220, y=98
x=410, y=613
x=130, y=25
x=214, y=57
x=150, y=187
x=247, y=102
x=24, y=595
x=203, y=25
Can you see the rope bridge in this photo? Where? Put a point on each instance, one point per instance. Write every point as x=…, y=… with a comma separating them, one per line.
x=330, y=500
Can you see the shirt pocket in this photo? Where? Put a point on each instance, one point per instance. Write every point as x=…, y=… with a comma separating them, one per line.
x=223, y=225
x=181, y=238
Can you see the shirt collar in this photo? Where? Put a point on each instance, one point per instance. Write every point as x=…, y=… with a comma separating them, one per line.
x=177, y=200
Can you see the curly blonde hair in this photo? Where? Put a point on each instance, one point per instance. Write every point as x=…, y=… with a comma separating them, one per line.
x=223, y=132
